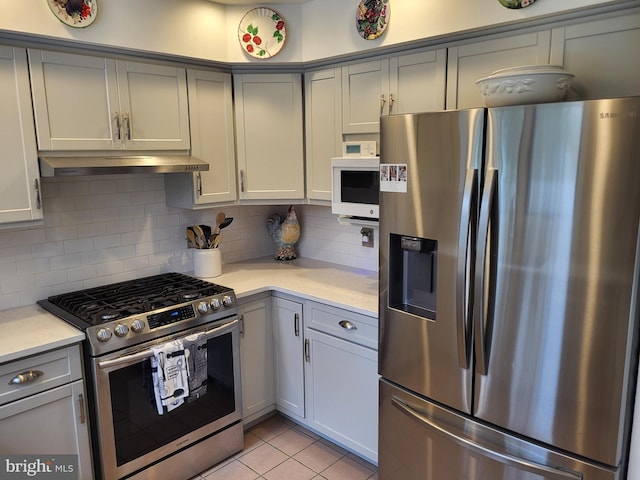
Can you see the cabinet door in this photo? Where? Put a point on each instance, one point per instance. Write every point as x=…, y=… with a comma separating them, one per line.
x=288, y=355
x=212, y=140
x=53, y=422
x=468, y=63
x=269, y=125
x=20, y=182
x=256, y=354
x=75, y=99
x=154, y=109
x=602, y=55
x=323, y=129
x=365, y=90
x=342, y=392
x=417, y=82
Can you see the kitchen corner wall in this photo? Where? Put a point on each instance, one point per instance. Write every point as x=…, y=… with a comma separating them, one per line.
x=99, y=230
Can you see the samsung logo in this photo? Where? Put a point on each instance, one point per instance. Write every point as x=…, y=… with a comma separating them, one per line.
x=615, y=115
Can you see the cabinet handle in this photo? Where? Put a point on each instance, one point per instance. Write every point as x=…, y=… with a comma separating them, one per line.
x=242, y=181
x=199, y=180
x=36, y=185
x=26, y=377
x=127, y=121
x=116, y=119
x=383, y=100
x=307, y=350
x=347, y=325
x=391, y=100
x=296, y=325
x=82, y=414
x=241, y=325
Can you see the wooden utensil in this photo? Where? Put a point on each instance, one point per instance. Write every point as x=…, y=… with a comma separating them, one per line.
x=200, y=238
x=191, y=236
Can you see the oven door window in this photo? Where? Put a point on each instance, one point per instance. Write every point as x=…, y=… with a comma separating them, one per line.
x=138, y=429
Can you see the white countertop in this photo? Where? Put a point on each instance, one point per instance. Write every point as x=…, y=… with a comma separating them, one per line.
x=332, y=284
x=30, y=330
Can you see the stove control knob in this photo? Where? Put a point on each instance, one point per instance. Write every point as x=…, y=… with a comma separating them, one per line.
x=121, y=330
x=103, y=334
x=227, y=301
x=203, y=307
x=215, y=304
x=137, y=326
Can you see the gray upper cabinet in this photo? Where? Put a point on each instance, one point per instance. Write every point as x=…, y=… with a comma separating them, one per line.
x=365, y=89
x=323, y=129
x=417, y=82
x=469, y=62
x=269, y=136
x=407, y=83
x=212, y=140
x=20, y=198
x=93, y=103
x=602, y=54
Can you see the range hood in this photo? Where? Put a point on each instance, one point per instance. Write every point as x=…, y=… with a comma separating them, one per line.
x=110, y=165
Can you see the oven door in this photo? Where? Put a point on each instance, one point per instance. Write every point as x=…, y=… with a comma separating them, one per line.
x=132, y=435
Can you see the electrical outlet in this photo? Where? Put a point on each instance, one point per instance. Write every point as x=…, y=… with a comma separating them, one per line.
x=367, y=237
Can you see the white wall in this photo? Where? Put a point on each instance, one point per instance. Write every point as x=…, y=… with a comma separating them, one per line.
x=319, y=29
x=106, y=229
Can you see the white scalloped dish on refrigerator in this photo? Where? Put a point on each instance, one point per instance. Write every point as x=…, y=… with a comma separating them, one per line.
x=525, y=85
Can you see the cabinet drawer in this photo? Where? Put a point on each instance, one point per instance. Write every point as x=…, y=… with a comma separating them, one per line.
x=58, y=367
x=341, y=323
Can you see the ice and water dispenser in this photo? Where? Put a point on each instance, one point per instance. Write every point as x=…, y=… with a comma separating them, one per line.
x=413, y=266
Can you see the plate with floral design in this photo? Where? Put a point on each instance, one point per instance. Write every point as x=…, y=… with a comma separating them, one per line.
x=75, y=13
x=262, y=33
x=372, y=18
x=516, y=3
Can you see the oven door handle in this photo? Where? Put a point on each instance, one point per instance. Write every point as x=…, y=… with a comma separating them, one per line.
x=149, y=352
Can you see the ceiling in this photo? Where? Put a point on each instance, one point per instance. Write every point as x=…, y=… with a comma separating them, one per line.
x=253, y=2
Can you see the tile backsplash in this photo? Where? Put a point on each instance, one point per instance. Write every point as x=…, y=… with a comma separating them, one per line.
x=105, y=229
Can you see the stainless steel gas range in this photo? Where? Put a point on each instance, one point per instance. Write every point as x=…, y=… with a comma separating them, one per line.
x=138, y=433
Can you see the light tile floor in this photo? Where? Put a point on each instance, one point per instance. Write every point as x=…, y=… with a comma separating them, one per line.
x=279, y=449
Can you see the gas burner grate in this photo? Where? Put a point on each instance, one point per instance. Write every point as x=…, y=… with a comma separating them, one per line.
x=120, y=300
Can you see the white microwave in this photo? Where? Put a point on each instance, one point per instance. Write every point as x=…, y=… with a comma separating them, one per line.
x=355, y=186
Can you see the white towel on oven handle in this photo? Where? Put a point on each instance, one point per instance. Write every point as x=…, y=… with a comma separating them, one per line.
x=171, y=384
x=195, y=348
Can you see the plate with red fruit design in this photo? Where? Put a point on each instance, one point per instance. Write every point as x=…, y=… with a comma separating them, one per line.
x=262, y=33
x=75, y=13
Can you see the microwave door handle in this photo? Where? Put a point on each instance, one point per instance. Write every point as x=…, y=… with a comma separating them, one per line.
x=147, y=353
x=466, y=243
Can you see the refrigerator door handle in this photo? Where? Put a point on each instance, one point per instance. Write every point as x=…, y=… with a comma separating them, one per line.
x=466, y=243
x=520, y=463
x=482, y=325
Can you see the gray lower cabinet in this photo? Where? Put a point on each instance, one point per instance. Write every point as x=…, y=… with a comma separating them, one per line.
x=341, y=384
x=288, y=338
x=256, y=357
x=43, y=410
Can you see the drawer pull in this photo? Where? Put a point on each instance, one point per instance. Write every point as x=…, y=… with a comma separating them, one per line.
x=346, y=324
x=26, y=377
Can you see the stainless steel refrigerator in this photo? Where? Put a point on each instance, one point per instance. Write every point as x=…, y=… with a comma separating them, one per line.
x=509, y=267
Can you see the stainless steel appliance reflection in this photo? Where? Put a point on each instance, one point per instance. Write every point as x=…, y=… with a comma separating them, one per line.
x=509, y=292
x=123, y=322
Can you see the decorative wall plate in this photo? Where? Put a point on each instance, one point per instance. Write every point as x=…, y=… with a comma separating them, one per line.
x=75, y=13
x=262, y=33
x=372, y=18
x=516, y=3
